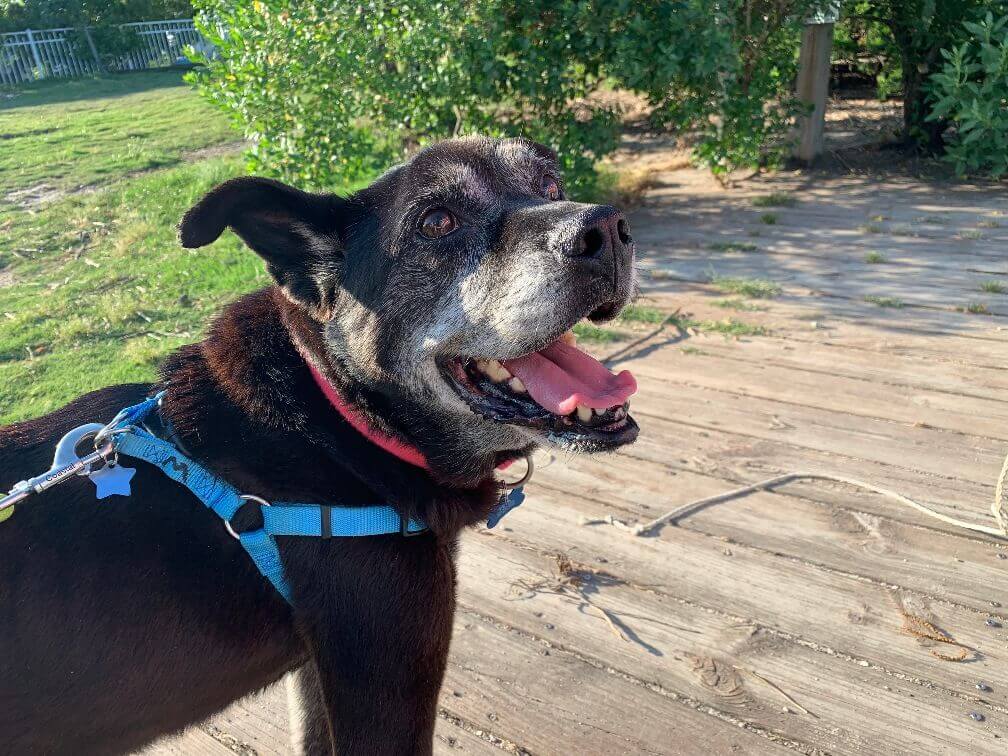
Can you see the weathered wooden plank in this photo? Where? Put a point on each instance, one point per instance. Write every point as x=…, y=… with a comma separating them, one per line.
x=834, y=612
x=747, y=459
x=713, y=659
x=672, y=371
x=843, y=324
x=838, y=534
x=958, y=455
x=544, y=696
x=259, y=725
x=910, y=372
x=853, y=281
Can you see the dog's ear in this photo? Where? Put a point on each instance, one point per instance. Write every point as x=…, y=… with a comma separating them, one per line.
x=298, y=234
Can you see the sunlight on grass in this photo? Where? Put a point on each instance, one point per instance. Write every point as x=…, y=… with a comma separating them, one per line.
x=775, y=199
x=737, y=304
x=68, y=134
x=105, y=308
x=884, y=301
x=593, y=333
x=732, y=246
x=754, y=288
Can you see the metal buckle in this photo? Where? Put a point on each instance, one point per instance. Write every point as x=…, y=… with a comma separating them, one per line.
x=244, y=497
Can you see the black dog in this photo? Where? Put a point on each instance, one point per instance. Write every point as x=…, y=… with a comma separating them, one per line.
x=417, y=338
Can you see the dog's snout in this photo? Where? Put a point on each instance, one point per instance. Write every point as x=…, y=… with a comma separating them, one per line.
x=604, y=233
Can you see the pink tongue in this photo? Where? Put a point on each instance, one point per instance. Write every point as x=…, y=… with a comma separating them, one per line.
x=561, y=377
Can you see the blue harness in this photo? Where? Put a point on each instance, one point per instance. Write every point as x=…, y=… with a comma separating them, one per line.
x=124, y=435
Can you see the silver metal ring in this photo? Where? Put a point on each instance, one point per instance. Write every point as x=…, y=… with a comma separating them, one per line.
x=524, y=478
x=244, y=497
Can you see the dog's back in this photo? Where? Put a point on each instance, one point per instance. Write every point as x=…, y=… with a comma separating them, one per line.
x=89, y=588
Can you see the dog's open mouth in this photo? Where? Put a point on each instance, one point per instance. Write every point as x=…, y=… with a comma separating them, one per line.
x=561, y=390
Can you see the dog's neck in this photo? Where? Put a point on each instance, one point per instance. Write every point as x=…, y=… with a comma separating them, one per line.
x=270, y=429
x=362, y=425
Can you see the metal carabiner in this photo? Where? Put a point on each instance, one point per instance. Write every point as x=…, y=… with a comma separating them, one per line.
x=65, y=464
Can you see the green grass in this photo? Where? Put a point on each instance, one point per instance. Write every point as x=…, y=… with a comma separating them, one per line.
x=874, y=258
x=732, y=246
x=753, y=288
x=642, y=314
x=976, y=308
x=737, y=304
x=769, y=219
x=92, y=131
x=993, y=287
x=775, y=199
x=884, y=301
x=632, y=315
x=971, y=233
x=593, y=333
x=81, y=315
x=728, y=327
x=94, y=287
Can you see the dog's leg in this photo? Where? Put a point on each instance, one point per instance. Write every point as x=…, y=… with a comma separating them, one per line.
x=311, y=734
x=380, y=638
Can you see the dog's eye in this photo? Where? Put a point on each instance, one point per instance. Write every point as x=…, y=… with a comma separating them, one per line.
x=437, y=223
x=550, y=188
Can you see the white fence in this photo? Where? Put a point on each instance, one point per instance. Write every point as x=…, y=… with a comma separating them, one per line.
x=31, y=55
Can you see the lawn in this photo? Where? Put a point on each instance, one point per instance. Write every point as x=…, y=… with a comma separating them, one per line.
x=94, y=287
x=64, y=135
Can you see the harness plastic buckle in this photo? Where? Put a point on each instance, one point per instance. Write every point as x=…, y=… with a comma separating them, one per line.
x=244, y=497
x=404, y=530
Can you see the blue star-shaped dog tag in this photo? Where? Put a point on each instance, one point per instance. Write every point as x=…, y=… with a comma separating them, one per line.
x=507, y=502
x=112, y=480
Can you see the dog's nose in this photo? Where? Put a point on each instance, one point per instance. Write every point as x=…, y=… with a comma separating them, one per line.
x=606, y=232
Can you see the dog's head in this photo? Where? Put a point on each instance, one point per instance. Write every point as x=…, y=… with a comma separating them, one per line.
x=446, y=292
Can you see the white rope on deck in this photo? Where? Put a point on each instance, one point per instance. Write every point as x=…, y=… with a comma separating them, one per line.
x=997, y=508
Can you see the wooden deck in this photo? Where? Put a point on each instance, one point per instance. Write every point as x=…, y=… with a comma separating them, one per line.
x=778, y=622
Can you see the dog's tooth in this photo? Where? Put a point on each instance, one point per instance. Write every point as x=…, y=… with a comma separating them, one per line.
x=620, y=413
x=497, y=372
x=584, y=413
x=569, y=338
x=516, y=385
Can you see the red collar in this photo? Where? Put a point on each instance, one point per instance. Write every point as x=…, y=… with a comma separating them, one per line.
x=352, y=415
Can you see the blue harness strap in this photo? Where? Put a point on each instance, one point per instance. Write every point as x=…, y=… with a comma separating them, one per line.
x=279, y=518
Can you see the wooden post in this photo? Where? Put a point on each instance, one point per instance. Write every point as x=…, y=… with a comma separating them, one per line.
x=813, y=88
x=40, y=73
x=94, y=51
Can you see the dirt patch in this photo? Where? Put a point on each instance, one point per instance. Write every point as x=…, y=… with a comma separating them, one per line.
x=33, y=196
x=6, y=277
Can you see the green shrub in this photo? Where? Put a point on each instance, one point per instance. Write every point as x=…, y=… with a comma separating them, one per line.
x=908, y=37
x=331, y=90
x=971, y=92
x=327, y=90
x=725, y=70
